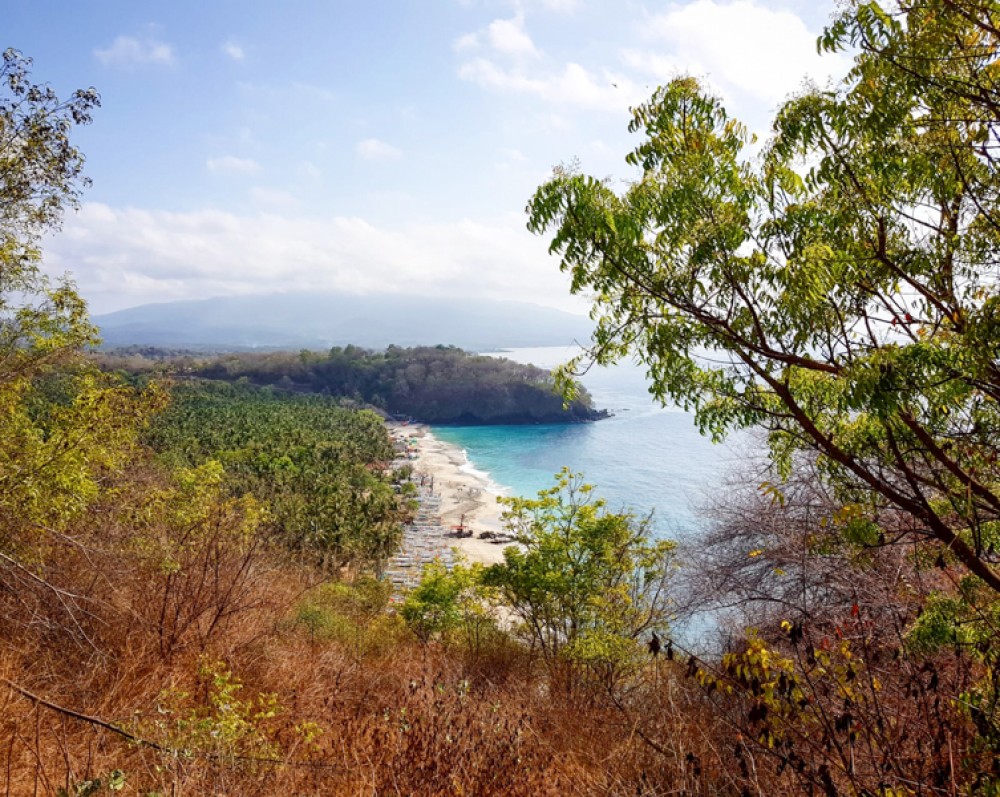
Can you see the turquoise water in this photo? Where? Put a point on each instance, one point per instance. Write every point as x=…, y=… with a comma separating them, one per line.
x=646, y=458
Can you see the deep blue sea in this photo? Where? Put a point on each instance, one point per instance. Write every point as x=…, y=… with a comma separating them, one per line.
x=646, y=458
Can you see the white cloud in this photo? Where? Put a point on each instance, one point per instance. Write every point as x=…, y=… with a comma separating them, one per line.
x=556, y=123
x=470, y=41
x=373, y=149
x=129, y=51
x=511, y=160
x=563, y=6
x=505, y=36
x=751, y=55
x=508, y=36
x=574, y=86
x=513, y=155
x=308, y=171
x=298, y=94
x=486, y=73
x=122, y=257
x=560, y=6
x=272, y=197
x=742, y=47
x=234, y=50
x=507, y=69
x=230, y=164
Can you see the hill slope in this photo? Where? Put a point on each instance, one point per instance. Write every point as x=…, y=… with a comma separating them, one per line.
x=315, y=320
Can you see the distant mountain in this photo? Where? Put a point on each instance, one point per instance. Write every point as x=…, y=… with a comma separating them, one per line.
x=296, y=320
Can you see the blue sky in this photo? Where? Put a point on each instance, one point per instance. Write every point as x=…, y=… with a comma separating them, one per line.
x=368, y=146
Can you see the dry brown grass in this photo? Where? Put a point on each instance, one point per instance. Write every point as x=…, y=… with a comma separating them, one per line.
x=236, y=675
x=129, y=615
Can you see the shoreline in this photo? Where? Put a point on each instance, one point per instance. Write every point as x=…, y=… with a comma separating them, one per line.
x=453, y=495
x=468, y=497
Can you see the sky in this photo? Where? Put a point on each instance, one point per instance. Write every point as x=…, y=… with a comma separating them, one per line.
x=374, y=145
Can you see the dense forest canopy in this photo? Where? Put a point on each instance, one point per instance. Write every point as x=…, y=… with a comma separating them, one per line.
x=432, y=384
x=320, y=469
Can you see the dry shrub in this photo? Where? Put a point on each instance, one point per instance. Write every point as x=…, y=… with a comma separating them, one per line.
x=125, y=614
x=439, y=737
x=151, y=624
x=814, y=712
x=119, y=611
x=406, y=719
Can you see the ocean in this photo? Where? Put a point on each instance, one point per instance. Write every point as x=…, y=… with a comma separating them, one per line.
x=646, y=458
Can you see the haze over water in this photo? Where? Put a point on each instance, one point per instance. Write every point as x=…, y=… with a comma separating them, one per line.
x=646, y=458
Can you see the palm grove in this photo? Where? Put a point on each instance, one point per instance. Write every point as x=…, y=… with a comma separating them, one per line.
x=183, y=569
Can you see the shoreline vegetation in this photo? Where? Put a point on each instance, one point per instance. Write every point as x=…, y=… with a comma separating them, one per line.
x=441, y=385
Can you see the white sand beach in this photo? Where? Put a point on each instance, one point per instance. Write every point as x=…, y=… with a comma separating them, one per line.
x=453, y=498
x=467, y=498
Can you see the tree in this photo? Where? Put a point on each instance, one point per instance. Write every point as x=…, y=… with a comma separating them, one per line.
x=447, y=600
x=64, y=425
x=840, y=290
x=585, y=582
x=40, y=175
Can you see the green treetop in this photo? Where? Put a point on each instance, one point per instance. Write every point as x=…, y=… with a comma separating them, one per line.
x=63, y=425
x=840, y=288
x=585, y=582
